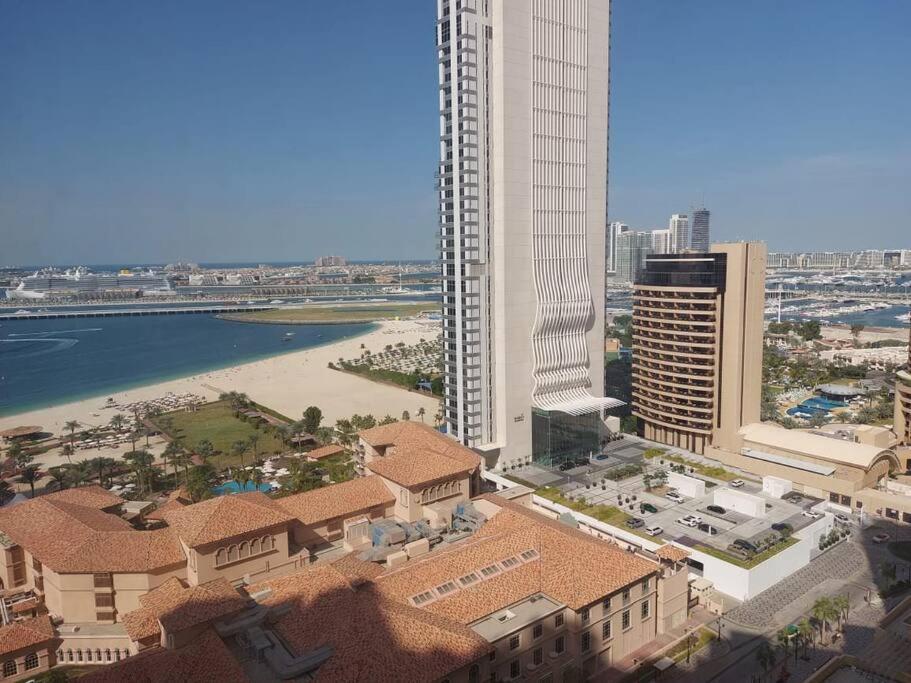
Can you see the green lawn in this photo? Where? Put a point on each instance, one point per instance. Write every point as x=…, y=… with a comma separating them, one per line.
x=705, y=470
x=753, y=561
x=215, y=422
x=678, y=651
x=335, y=314
x=603, y=513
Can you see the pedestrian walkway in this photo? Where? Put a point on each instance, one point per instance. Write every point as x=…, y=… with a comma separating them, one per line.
x=759, y=612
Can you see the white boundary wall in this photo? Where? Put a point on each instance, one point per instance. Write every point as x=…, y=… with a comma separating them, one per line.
x=688, y=486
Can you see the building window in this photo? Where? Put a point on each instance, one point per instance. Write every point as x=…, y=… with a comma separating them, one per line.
x=606, y=605
x=645, y=609
x=625, y=595
x=514, y=669
x=31, y=661
x=833, y=497
x=492, y=570
x=537, y=631
x=645, y=586
x=403, y=497
x=586, y=641
x=232, y=553
x=104, y=600
x=103, y=581
x=537, y=657
x=846, y=500
x=469, y=579
x=474, y=674
x=514, y=642
x=558, y=620
x=560, y=645
x=625, y=619
x=585, y=614
x=9, y=667
x=69, y=655
x=606, y=630
x=221, y=556
x=493, y=655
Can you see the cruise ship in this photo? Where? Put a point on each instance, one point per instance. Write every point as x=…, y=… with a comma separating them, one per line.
x=51, y=281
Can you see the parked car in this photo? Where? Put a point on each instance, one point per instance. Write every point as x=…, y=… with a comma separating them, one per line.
x=647, y=507
x=881, y=538
x=708, y=528
x=653, y=530
x=735, y=483
x=843, y=518
x=695, y=518
x=812, y=514
x=783, y=527
x=717, y=509
x=674, y=496
x=634, y=523
x=744, y=545
x=687, y=521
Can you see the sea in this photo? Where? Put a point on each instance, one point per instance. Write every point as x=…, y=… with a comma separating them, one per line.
x=48, y=362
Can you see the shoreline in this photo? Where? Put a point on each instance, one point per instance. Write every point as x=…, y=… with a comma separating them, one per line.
x=287, y=382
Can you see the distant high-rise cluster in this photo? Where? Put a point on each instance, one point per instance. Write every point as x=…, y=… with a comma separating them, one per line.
x=324, y=261
x=626, y=249
x=871, y=259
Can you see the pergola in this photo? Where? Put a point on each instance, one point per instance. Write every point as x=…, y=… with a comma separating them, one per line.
x=23, y=432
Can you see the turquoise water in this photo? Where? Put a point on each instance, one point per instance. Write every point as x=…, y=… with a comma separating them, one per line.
x=234, y=487
x=48, y=362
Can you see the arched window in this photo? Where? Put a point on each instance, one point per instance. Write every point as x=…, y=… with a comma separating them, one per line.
x=116, y=654
x=107, y=655
x=9, y=667
x=474, y=674
x=88, y=655
x=97, y=655
x=244, y=549
x=31, y=661
x=232, y=553
x=78, y=655
x=266, y=543
x=254, y=546
x=69, y=655
x=221, y=556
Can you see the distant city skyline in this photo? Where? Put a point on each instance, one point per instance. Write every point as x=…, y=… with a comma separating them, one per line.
x=153, y=133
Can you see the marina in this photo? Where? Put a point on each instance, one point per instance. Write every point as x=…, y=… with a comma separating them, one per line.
x=52, y=314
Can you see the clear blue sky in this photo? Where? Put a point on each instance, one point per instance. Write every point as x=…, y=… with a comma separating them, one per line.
x=215, y=131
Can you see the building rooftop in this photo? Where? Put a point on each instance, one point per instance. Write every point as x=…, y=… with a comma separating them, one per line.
x=68, y=532
x=520, y=615
x=28, y=633
x=205, y=659
x=345, y=498
x=381, y=640
x=672, y=553
x=516, y=554
x=813, y=445
x=324, y=452
x=410, y=469
x=176, y=607
x=224, y=517
x=418, y=438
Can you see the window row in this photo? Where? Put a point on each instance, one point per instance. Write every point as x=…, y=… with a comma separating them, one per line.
x=233, y=553
x=11, y=668
x=98, y=656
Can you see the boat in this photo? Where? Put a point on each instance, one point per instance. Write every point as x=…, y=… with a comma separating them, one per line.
x=904, y=318
x=22, y=311
x=276, y=301
x=289, y=334
x=51, y=281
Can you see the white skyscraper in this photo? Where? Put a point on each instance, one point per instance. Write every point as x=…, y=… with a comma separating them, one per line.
x=614, y=230
x=662, y=241
x=679, y=225
x=523, y=168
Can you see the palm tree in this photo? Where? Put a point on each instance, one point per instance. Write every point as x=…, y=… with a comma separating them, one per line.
x=182, y=459
x=141, y=464
x=301, y=477
x=841, y=605
x=256, y=476
x=68, y=452
x=241, y=477
x=205, y=449
x=421, y=413
x=101, y=464
x=169, y=455
x=30, y=475
x=199, y=482
x=134, y=437
x=784, y=642
x=60, y=475
x=72, y=425
x=239, y=448
x=406, y=416
x=805, y=632
x=346, y=432
x=766, y=657
x=822, y=611
x=117, y=421
x=253, y=440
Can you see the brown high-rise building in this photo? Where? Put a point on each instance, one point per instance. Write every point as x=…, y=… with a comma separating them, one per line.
x=903, y=401
x=697, y=345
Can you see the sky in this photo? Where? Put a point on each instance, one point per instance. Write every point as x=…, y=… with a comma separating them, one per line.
x=136, y=132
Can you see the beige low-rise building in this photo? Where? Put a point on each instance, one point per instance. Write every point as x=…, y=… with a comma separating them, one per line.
x=27, y=648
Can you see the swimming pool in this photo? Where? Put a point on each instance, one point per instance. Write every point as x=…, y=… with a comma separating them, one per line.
x=824, y=403
x=234, y=487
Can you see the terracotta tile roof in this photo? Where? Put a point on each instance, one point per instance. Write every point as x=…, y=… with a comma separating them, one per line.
x=72, y=538
x=570, y=566
x=417, y=437
x=224, y=517
x=177, y=607
x=337, y=500
x=86, y=496
x=24, y=634
x=378, y=639
x=205, y=659
x=672, y=553
x=416, y=454
x=324, y=452
x=159, y=512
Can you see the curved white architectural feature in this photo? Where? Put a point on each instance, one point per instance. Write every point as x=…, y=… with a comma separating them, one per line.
x=523, y=196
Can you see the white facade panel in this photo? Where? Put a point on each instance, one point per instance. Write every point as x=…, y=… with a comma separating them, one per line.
x=688, y=486
x=739, y=501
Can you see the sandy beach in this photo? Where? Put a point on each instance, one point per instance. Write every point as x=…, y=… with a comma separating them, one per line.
x=287, y=383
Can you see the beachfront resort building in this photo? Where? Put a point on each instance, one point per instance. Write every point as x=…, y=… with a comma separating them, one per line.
x=522, y=199
x=903, y=402
x=522, y=596
x=697, y=345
